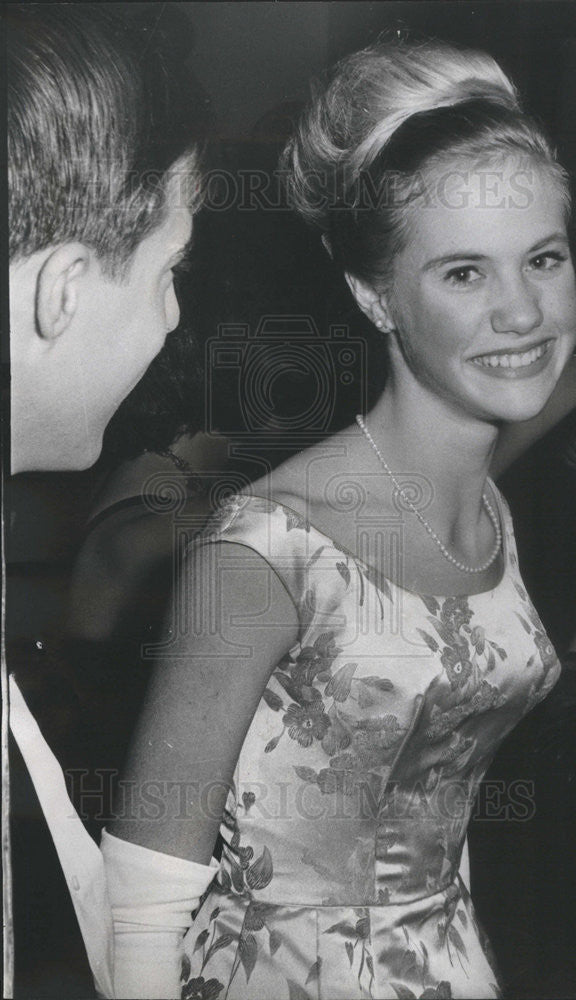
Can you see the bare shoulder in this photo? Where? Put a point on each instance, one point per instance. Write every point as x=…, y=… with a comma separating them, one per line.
x=304, y=481
x=205, y=691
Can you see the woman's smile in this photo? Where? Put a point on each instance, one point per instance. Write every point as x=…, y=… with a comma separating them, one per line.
x=483, y=303
x=513, y=364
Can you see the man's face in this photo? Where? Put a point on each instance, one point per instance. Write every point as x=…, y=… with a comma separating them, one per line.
x=65, y=389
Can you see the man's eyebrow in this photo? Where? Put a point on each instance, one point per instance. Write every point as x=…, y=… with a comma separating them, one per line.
x=459, y=255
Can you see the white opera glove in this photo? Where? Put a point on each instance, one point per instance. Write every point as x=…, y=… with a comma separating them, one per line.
x=152, y=896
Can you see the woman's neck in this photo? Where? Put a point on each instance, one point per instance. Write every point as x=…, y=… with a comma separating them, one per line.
x=418, y=432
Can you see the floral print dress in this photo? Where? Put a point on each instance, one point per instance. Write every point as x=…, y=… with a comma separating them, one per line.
x=352, y=793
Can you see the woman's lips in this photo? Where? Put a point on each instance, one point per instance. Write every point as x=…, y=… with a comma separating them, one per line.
x=514, y=364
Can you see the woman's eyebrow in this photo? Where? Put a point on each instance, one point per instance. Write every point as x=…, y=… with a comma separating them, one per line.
x=553, y=238
x=451, y=257
x=471, y=255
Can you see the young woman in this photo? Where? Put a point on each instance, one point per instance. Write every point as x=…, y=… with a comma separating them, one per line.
x=361, y=640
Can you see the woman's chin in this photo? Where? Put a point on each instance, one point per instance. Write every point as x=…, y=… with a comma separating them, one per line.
x=519, y=406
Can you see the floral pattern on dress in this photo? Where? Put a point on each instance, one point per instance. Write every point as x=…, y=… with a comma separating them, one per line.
x=355, y=748
x=240, y=872
x=383, y=739
x=544, y=679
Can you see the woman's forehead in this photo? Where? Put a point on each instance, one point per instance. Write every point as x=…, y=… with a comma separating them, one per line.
x=502, y=181
x=485, y=209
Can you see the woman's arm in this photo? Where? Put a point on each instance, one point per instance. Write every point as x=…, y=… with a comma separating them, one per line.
x=236, y=622
x=517, y=438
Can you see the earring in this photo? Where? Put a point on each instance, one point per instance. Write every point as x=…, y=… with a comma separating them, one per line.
x=378, y=323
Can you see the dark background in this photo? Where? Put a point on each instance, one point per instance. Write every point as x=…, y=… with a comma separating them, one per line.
x=256, y=60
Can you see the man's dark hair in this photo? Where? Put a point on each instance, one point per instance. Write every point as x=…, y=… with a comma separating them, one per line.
x=98, y=112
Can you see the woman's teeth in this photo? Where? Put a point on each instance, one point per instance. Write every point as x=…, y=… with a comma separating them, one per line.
x=512, y=360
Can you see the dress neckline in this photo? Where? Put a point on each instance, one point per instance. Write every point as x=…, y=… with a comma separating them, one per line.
x=373, y=576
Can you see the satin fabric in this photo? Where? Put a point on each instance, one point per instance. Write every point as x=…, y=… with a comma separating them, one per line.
x=353, y=790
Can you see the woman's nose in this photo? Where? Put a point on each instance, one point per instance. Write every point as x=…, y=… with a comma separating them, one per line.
x=517, y=309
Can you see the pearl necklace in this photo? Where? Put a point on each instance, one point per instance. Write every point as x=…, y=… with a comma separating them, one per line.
x=447, y=555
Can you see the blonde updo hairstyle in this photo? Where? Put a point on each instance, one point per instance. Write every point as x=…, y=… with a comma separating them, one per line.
x=385, y=117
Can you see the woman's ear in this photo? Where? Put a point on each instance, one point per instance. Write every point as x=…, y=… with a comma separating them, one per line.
x=373, y=304
x=57, y=289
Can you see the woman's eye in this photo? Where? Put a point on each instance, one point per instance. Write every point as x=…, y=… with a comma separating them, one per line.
x=462, y=276
x=548, y=261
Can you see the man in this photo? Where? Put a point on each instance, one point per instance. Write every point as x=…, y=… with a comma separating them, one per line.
x=103, y=179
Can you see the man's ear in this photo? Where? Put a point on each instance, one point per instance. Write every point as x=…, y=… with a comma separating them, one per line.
x=373, y=304
x=57, y=288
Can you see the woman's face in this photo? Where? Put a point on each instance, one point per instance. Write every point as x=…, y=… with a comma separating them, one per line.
x=483, y=296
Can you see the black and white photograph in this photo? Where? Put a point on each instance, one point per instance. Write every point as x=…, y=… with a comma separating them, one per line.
x=288, y=308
